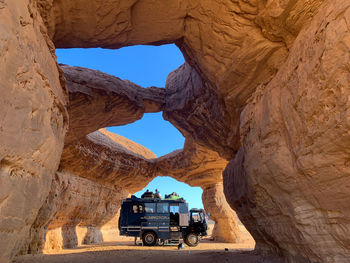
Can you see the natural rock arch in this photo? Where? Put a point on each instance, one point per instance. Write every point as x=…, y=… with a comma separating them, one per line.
x=97, y=172
x=100, y=169
x=241, y=52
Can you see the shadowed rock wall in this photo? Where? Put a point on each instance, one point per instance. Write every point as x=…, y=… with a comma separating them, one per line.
x=74, y=202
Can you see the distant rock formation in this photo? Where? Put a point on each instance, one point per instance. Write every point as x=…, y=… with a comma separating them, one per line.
x=95, y=175
x=98, y=100
x=109, y=166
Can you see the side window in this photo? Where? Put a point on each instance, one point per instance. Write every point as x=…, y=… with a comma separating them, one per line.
x=183, y=209
x=140, y=209
x=162, y=208
x=150, y=207
x=134, y=209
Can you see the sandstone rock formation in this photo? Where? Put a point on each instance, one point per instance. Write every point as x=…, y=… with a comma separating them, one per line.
x=193, y=165
x=98, y=100
x=106, y=164
x=265, y=86
x=290, y=182
x=226, y=222
x=102, y=169
x=186, y=93
x=198, y=166
x=96, y=173
x=219, y=39
x=33, y=121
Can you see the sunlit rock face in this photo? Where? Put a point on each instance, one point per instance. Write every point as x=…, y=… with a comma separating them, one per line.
x=273, y=75
x=226, y=225
x=33, y=121
x=201, y=167
x=110, y=159
x=74, y=203
x=290, y=181
x=96, y=173
x=193, y=165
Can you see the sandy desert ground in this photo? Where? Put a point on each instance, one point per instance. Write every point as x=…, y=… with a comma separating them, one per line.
x=124, y=250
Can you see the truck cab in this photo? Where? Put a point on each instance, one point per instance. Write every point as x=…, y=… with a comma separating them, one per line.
x=161, y=221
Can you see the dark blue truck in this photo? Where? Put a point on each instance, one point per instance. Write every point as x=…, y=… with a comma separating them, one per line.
x=158, y=221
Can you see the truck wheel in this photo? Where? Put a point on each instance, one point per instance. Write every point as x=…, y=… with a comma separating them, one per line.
x=192, y=239
x=149, y=238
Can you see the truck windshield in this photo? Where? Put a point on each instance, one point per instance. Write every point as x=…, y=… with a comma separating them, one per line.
x=197, y=217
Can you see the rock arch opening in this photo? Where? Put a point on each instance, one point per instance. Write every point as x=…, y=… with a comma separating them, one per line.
x=145, y=66
x=224, y=224
x=264, y=86
x=99, y=168
x=153, y=132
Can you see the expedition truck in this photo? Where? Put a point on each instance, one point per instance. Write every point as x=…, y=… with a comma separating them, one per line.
x=161, y=221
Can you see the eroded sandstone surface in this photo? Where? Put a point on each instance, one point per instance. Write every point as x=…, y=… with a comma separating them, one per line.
x=98, y=100
x=33, y=121
x=293, y=167
x=226, y=222
x=201, y=167
x=265, y=86
x=110, y=167
x=96, y=173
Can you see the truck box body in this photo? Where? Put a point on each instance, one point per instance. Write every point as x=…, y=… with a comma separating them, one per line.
x=160, y=216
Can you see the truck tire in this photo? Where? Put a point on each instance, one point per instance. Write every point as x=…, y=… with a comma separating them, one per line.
x=191, y=239
x=149, y=238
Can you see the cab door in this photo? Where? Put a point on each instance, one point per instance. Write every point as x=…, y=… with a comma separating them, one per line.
x=174, y=215
x=184, y=217
x=163, y=220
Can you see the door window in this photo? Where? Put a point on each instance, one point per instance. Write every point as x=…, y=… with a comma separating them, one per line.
x=183, y=209
x=174, y=209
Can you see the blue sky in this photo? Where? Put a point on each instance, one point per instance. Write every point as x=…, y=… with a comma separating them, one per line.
x=145, y=66
x=153, y=132
x=167, y=185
